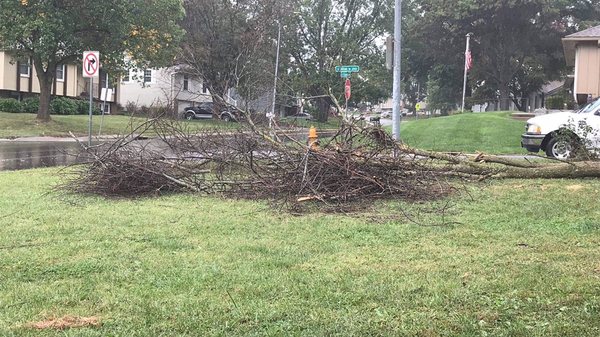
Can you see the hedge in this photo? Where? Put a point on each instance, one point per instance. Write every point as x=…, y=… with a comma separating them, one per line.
x=58, y=106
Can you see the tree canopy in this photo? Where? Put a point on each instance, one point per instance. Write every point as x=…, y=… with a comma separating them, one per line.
x=516, y=45
x=323, y=34
x=229, y=44
x=56, y=32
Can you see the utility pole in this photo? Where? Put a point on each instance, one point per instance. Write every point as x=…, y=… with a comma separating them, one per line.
x=396, y=97
x=272, y=115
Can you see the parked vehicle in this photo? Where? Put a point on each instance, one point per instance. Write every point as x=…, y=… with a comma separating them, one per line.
x=301, y=115
x=366, y=117
x=205, y=111
x=559, y=134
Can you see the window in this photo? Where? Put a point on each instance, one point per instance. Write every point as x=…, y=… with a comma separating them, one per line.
x=147, y=75
x=24, y=68
x=186, y=82
x=591, y=107
x=126, y=76
x=60, y=73
x=204, y=88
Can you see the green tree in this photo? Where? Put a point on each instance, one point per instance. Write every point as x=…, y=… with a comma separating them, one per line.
x=56, y=32
x=516, y=43
x=328, y=33
x=442, y=95
x=230, y=44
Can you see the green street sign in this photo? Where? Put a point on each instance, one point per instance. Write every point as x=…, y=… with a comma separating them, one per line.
x=347, y=69
x=345, y=74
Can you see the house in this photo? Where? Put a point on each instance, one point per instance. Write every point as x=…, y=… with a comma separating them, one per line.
x=148, y=87
x=18, y=79
x=537, y=100
x=582, y=51
x=162, y=87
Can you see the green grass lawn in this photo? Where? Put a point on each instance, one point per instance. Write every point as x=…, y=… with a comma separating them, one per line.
x=490, y=132
x=524, y=260
x=25, y=125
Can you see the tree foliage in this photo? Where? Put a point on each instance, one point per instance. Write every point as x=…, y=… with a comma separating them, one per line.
x=56, y=32
x=323, y=34
x=230, y=44
x=516, y=44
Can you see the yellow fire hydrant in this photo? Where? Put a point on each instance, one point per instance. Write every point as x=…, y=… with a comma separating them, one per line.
x=313, y=138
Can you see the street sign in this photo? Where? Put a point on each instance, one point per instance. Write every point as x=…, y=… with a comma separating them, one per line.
x=347, y=69
x=91, y=64
x=348, y=89
x=345, y=74
x=91, y=70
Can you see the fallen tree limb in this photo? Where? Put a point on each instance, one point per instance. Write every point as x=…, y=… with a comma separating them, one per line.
x=571, y=170
x=356, y=165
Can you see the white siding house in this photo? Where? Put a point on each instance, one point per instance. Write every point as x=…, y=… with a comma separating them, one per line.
x=160, y=87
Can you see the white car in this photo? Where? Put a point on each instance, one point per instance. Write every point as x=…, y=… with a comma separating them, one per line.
x=557, y=133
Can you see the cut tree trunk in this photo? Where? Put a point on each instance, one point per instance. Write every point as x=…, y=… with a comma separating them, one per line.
x=489, y=166
x=584, y=169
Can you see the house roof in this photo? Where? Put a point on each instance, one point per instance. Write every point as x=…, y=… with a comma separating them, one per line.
x=570, y=42
x=593, y=32
x=551, y=88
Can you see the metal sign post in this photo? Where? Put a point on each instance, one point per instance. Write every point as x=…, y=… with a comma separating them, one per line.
x=91, y=69
x=90, y=115
x=347, y=94
x=345, y=72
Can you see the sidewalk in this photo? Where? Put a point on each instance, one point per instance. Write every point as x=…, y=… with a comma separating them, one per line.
x=56, y=139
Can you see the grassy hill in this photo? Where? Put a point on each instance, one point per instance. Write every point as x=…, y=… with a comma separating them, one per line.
x=492, y=132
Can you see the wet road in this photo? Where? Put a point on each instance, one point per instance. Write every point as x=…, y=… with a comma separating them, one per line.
x=19, y=155
x=25, y=155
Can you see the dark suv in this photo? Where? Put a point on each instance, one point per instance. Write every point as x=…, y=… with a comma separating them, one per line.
x=205, y=111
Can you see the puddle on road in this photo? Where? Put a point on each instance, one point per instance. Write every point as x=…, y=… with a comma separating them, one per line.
x=26, y=155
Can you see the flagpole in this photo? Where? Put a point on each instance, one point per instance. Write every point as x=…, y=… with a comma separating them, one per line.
x=466, y=70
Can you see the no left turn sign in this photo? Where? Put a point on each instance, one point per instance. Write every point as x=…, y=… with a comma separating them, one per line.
x=91, y=64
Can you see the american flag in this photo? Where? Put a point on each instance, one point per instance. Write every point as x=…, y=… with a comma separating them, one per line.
x=468, y=60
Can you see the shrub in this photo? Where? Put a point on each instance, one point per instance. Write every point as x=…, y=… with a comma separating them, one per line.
x=70, y=106
x=145, y=111
x=555, y=102
x=31, y=105
x=131, y=107
x=63, y=106
x=58, y=106
x=83, y=107
x=11, y=105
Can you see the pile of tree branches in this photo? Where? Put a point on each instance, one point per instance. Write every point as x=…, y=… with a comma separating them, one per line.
x=356, y=164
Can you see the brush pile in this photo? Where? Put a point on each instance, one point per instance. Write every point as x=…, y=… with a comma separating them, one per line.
x=355, y=164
